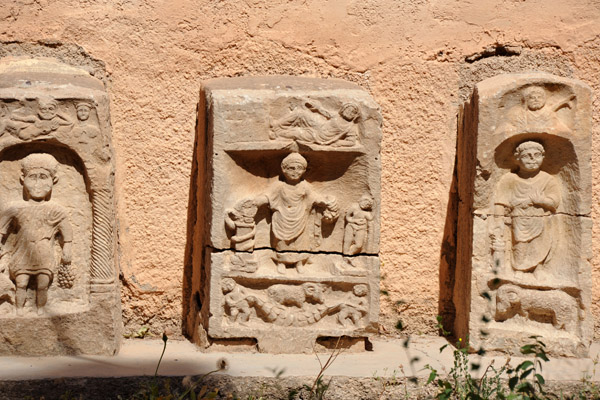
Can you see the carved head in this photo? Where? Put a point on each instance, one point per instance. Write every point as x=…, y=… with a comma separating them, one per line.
x=366, y=202
x=349, y=111
x=47, y=108
x=38, y=175
x=530, y=155
x=313, y=292
x=293, y=167
x=534, y=97
x=83, y=110
x=360, y=290
x=507, y=301
x=227, y=285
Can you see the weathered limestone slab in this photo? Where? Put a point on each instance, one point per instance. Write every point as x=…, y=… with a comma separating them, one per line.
x=524, y=233
x=287, y=226
x=58, y=292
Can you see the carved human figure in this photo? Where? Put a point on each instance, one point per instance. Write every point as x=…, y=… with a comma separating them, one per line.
x=36, y=222
x=236, y=305
x=84, y=129
x=535, y=114
x=359, y=226
x=529, y=198
x=47, y=120
x=312, y=123
x=292, y=202
x=355, y=307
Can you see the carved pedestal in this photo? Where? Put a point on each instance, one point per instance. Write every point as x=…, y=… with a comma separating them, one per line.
x=286, y=232
x=524, y=233
x=58, y=292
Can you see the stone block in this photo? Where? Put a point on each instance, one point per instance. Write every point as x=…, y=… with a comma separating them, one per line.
x=287, y=226
x=524, y=230
x=59, y=293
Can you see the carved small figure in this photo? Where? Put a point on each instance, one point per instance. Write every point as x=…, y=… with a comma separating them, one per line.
x=529, y=198
x=292, y=202
x=355, y=307
x=236, y=304
x=85, y=129
x=535, y=114
x=311, y=123
x=47, y=120
x=359, y=226
x=553, y=306
x=36, y=222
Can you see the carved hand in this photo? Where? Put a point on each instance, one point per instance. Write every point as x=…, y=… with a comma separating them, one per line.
x=66, y=253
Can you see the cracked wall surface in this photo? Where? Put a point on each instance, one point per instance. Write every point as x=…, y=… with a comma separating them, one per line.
x=418, y=59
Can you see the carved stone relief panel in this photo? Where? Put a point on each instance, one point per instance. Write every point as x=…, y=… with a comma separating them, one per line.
x=58, y=293
x=289, y=224
x=523, y=262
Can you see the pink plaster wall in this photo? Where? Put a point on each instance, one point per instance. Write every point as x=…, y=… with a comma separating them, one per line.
x=409, y=54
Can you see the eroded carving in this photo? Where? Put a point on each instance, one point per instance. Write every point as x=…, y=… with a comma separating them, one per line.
x=294, y=305
x=85, y=129
x=538, y=112
x=546, y=306
x=310, y=122
x=46, y=120
x=36, y=222
x=359, y=226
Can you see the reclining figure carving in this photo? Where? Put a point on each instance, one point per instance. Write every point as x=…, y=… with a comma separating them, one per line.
x=538, y=305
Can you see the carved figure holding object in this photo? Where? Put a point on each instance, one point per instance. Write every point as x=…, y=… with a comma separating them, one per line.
x=554, y=306
x=240, y=221
x=529, y=197
x=292, y=202
x=36, y=222
x=359, y=226
x=311, y=123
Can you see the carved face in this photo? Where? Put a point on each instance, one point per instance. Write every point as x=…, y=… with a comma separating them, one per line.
x=530, y=159
x=38, y=183
x=83, y=112
x=46, y=110
x=293, y=172
x=535, y=98
x=359, y=290
x=227, y=285
x=349, y=112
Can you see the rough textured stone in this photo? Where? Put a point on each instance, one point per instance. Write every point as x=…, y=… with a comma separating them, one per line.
x=524, y=245
x=57, y=265
x=289, y=217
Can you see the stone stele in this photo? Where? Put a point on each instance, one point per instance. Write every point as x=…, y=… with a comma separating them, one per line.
x=286, y=235
x=524, y=232
x=58, y=292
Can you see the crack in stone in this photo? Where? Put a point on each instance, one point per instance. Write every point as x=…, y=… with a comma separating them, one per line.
x=217, y=250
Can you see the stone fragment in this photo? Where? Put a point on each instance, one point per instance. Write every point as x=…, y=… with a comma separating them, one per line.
x=286, y=233
x=524, y=230
x=57, y=261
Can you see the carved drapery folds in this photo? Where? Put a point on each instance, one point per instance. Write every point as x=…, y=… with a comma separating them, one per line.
x=523, y=262
x=292, y=188
x=56, y=211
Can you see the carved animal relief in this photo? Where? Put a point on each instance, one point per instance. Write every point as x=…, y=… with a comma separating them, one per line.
x=530, y=216
x=294, y=223
x=56, y=242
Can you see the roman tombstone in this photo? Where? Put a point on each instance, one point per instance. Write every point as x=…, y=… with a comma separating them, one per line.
x=58, y=287
x=524, y=231
x=286, y=231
